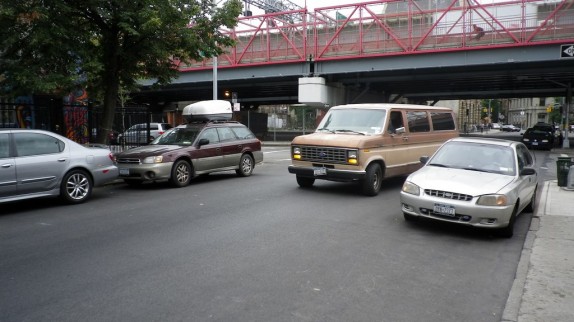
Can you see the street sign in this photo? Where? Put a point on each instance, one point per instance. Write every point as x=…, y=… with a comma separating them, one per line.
x=567, y=51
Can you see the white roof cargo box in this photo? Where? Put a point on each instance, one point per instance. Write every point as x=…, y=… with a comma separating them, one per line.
x=211, y=110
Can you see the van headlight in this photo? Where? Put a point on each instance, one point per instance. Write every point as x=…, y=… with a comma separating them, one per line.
x=154, y=159
x=296, y=153
x=353, y=157
x=492, y=200
x=411, y=188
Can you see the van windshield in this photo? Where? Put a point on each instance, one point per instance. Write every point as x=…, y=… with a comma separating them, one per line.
x=359, y=121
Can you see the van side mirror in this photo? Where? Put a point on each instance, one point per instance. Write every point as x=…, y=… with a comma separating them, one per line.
x=202, y=142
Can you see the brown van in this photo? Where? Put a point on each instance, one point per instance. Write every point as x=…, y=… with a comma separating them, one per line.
x=366, y=143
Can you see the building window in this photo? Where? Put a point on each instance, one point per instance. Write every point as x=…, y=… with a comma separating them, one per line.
x=542, y=101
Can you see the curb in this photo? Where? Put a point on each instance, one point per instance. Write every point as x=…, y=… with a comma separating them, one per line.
x=514, y=301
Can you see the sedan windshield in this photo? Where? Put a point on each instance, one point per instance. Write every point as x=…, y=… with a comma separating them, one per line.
x=177, y=136
x=354, y=121
x=476, y=157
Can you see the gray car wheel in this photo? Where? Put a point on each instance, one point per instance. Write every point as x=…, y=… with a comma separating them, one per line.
x=76, y=187
x=180, y=174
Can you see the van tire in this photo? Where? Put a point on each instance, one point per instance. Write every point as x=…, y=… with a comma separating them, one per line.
x=305, y=182
x=372, y=182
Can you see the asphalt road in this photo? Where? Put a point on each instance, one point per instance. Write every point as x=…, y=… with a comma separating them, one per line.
x=248, y=249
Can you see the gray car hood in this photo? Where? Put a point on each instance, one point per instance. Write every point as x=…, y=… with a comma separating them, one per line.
x=459, y=181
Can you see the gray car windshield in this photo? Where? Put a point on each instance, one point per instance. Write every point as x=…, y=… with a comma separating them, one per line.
x=476, y=157
x=177, y=136
x=353, y=121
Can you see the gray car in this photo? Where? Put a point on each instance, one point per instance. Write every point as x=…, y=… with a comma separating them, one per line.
x=477, y=182
x=138, y=134
x=37, y=163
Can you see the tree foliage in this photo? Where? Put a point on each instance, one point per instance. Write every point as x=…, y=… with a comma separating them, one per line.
x=54, y=46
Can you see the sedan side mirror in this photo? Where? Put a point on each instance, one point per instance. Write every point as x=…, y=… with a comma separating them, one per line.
x=527, y=171
x=424, y=159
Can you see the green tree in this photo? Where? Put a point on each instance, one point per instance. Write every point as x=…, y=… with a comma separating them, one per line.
x=54, y=46
x=495, y=109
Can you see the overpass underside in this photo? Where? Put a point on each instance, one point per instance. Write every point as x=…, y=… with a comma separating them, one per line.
x=389, y=50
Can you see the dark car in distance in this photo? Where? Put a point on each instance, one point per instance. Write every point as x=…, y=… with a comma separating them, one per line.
x=190, y=150
x=540, y=136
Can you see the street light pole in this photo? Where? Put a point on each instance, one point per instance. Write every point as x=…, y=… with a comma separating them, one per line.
x=566, y=141
x=214, y=60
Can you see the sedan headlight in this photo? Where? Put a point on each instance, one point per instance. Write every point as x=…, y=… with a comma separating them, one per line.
x=492, y=200
x=411, y=188
x=154, y=159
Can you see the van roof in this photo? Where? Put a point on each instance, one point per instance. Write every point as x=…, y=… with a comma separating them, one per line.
x=386, y=106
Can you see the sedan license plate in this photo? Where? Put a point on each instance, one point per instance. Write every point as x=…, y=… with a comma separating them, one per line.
x=534, y=143
x=320, y=171
x=446, y=210
x=124, y=172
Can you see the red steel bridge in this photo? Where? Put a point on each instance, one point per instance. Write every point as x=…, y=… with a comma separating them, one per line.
x=277, y=47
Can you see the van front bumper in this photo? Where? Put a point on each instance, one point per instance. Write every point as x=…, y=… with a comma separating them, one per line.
x=329, y=174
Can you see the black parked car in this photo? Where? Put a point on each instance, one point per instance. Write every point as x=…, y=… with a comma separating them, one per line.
x=540, y=136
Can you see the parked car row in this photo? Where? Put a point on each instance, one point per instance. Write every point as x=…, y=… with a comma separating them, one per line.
x=37, y=163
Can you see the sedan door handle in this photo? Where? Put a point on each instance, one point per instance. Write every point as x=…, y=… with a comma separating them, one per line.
x=6, y=165
x=62, y=160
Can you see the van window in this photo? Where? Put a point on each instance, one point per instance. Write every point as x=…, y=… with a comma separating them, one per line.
x=395, y=121
x=442, y=121
x=418, y=121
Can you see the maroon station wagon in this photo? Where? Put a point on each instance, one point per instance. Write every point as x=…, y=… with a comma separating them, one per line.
x=193, y=149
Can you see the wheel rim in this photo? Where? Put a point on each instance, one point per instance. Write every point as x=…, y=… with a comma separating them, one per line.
x=246, y=165
x=376, y=178
x=182, y=173
x=77, y=186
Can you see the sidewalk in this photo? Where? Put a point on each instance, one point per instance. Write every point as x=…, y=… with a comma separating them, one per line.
x=543, y=288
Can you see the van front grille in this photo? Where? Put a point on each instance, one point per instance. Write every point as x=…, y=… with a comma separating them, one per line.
x=324, y=155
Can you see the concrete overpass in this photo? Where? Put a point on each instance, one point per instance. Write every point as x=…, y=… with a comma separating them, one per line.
x=383, y=51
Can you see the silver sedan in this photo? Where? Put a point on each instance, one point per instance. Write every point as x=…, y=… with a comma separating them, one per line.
x=36, y=163
x=473, y=181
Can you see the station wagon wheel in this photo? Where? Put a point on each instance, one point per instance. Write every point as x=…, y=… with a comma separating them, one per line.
x=76, y=187
x=305, y=182
x=372, y=182
x=180, y=174
x=245, y=166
